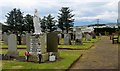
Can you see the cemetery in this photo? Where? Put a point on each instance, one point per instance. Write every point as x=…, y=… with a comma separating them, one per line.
x=34, y=42
x=38, y=50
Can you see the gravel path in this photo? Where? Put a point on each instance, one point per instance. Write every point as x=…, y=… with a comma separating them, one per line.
x=104, y=55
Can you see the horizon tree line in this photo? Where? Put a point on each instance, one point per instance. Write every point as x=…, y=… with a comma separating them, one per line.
x=18, y=23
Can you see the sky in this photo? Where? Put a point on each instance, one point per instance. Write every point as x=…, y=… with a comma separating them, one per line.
x=86, y=11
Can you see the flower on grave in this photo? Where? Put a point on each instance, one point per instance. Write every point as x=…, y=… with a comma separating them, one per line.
x=27, y=53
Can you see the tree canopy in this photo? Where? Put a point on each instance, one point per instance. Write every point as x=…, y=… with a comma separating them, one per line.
x=48, y=23
x=15, y=20
x=65, y=19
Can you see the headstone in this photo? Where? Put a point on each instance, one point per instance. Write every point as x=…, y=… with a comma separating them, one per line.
x=99, y=35
x=59, y=37
x=43, y=42
x=88, y=37
x=37, y=45
x=93, y=35
x=34, y=44
x=67, y=40
x=12, y=45
x=28, y=41
x=23, y=39
x=5, y=38
x=52, y=44
x=78, y=37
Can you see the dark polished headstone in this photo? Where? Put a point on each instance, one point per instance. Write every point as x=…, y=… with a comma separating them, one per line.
x=52, y=42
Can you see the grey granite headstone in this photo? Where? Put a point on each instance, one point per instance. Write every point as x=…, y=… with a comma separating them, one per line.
x=34, y=44
x=28, y=41
x=38, y=44
x=78, y=35
x=43, y=42
x=23, y=39
x=12, y=45
x=5, y=38
x=88, y=37
x=60, y=36
x=67, y=40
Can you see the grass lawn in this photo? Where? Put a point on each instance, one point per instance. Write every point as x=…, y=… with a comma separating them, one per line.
x=68, y=58
x=82, y=47
x=92, y=40
x=6, y=46
x=86, y=44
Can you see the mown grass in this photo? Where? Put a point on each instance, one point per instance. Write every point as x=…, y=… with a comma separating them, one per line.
x=21, y=52
x=92, y=40
x=82, y=47
x=6, y=46
x=68, y=58
x=86, y=44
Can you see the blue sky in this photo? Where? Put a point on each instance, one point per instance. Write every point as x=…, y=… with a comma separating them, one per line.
x=86, y=11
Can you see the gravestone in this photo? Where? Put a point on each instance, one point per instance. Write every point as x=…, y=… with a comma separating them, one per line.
x=28, y=41
x=5, y=38
x=88, y=37
x=67, y=40
x=93, y=35
x=59, y=37
x=78, y=38
x=37, y=45
x=12, y=46
x=52, y=44
x=23, y=39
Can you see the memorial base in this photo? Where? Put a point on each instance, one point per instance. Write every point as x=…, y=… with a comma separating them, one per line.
x=35, y=57
x=12, y=54
x=78, y=42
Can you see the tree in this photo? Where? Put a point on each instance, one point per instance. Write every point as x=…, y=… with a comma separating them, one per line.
x=65, y=20
x=15, y=22
x=28, y=20
x=43, y=24
x=50, y=23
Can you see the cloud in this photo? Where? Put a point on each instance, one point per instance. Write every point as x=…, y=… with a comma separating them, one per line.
x=84, y=10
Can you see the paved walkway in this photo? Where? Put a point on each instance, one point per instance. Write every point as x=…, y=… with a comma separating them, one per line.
x=104, y=55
